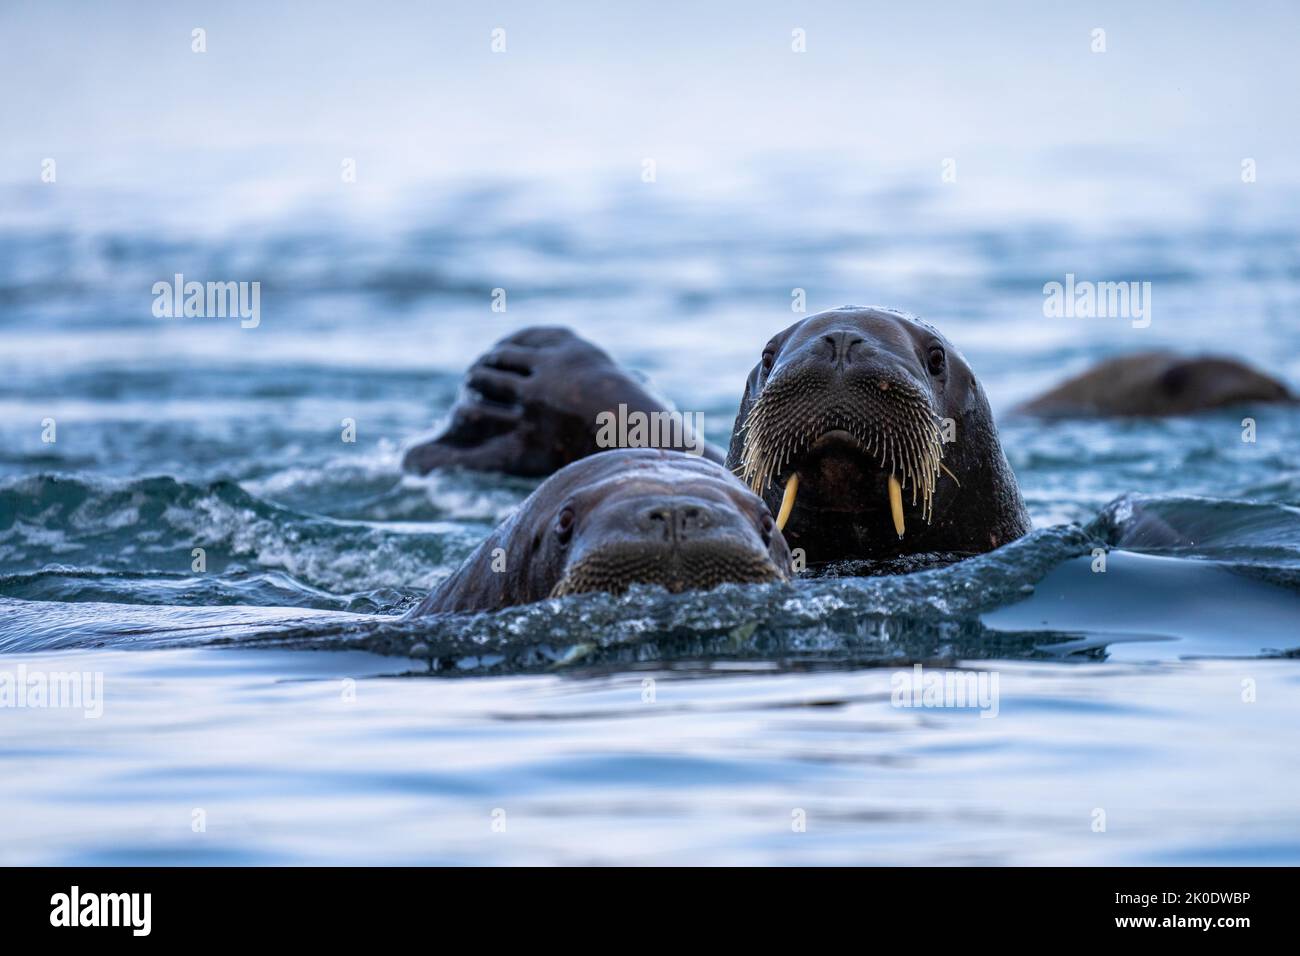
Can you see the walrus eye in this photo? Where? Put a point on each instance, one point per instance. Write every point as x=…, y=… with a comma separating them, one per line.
x=769, y=358
x=935, y=360
x=564, y=526
x=765, y=527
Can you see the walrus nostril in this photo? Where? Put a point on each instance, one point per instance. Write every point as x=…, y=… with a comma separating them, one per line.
x=692, y=520
x=660, y=522
x=842, y=346
x=676, y=522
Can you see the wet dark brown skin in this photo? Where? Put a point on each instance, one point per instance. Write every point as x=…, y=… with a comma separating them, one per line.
x=623, y=517
x=840, y=387
x=530, y=405
x=1157, y=384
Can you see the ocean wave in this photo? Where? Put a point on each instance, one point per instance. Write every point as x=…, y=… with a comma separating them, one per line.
x=105, y=550
x=940, y=613
x=862, y=618
x=107, y=525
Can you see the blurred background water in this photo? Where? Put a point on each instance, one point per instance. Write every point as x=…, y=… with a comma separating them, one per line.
x=1153, y=691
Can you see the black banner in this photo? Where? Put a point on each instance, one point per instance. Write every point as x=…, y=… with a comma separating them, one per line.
x=333, y=905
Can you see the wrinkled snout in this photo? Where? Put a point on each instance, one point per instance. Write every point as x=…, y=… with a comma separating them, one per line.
x=679, y=520
x=680, y=542
x=845, y=358
x=672, y=522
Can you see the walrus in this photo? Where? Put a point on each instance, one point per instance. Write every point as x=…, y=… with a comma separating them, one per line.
x=860, y=406
x=615, y=519
x=533, y=403
x=869, y=437
x=1154, y=384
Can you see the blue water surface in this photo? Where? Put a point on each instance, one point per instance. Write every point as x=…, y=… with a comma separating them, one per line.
x=273, y=708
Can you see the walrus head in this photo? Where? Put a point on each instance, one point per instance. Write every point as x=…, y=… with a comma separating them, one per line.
x=1158, y=383
x=869, y=436
x=622, y=517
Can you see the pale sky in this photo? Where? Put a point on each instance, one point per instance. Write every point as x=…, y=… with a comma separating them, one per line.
x=413, y=89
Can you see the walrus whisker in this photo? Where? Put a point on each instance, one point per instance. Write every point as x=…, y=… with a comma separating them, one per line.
x=900, y=431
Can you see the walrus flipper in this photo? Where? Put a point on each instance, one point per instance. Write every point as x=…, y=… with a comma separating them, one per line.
x=533, y=404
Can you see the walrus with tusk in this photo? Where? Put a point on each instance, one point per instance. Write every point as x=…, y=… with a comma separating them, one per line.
x=863, y=429
x=870, y=438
